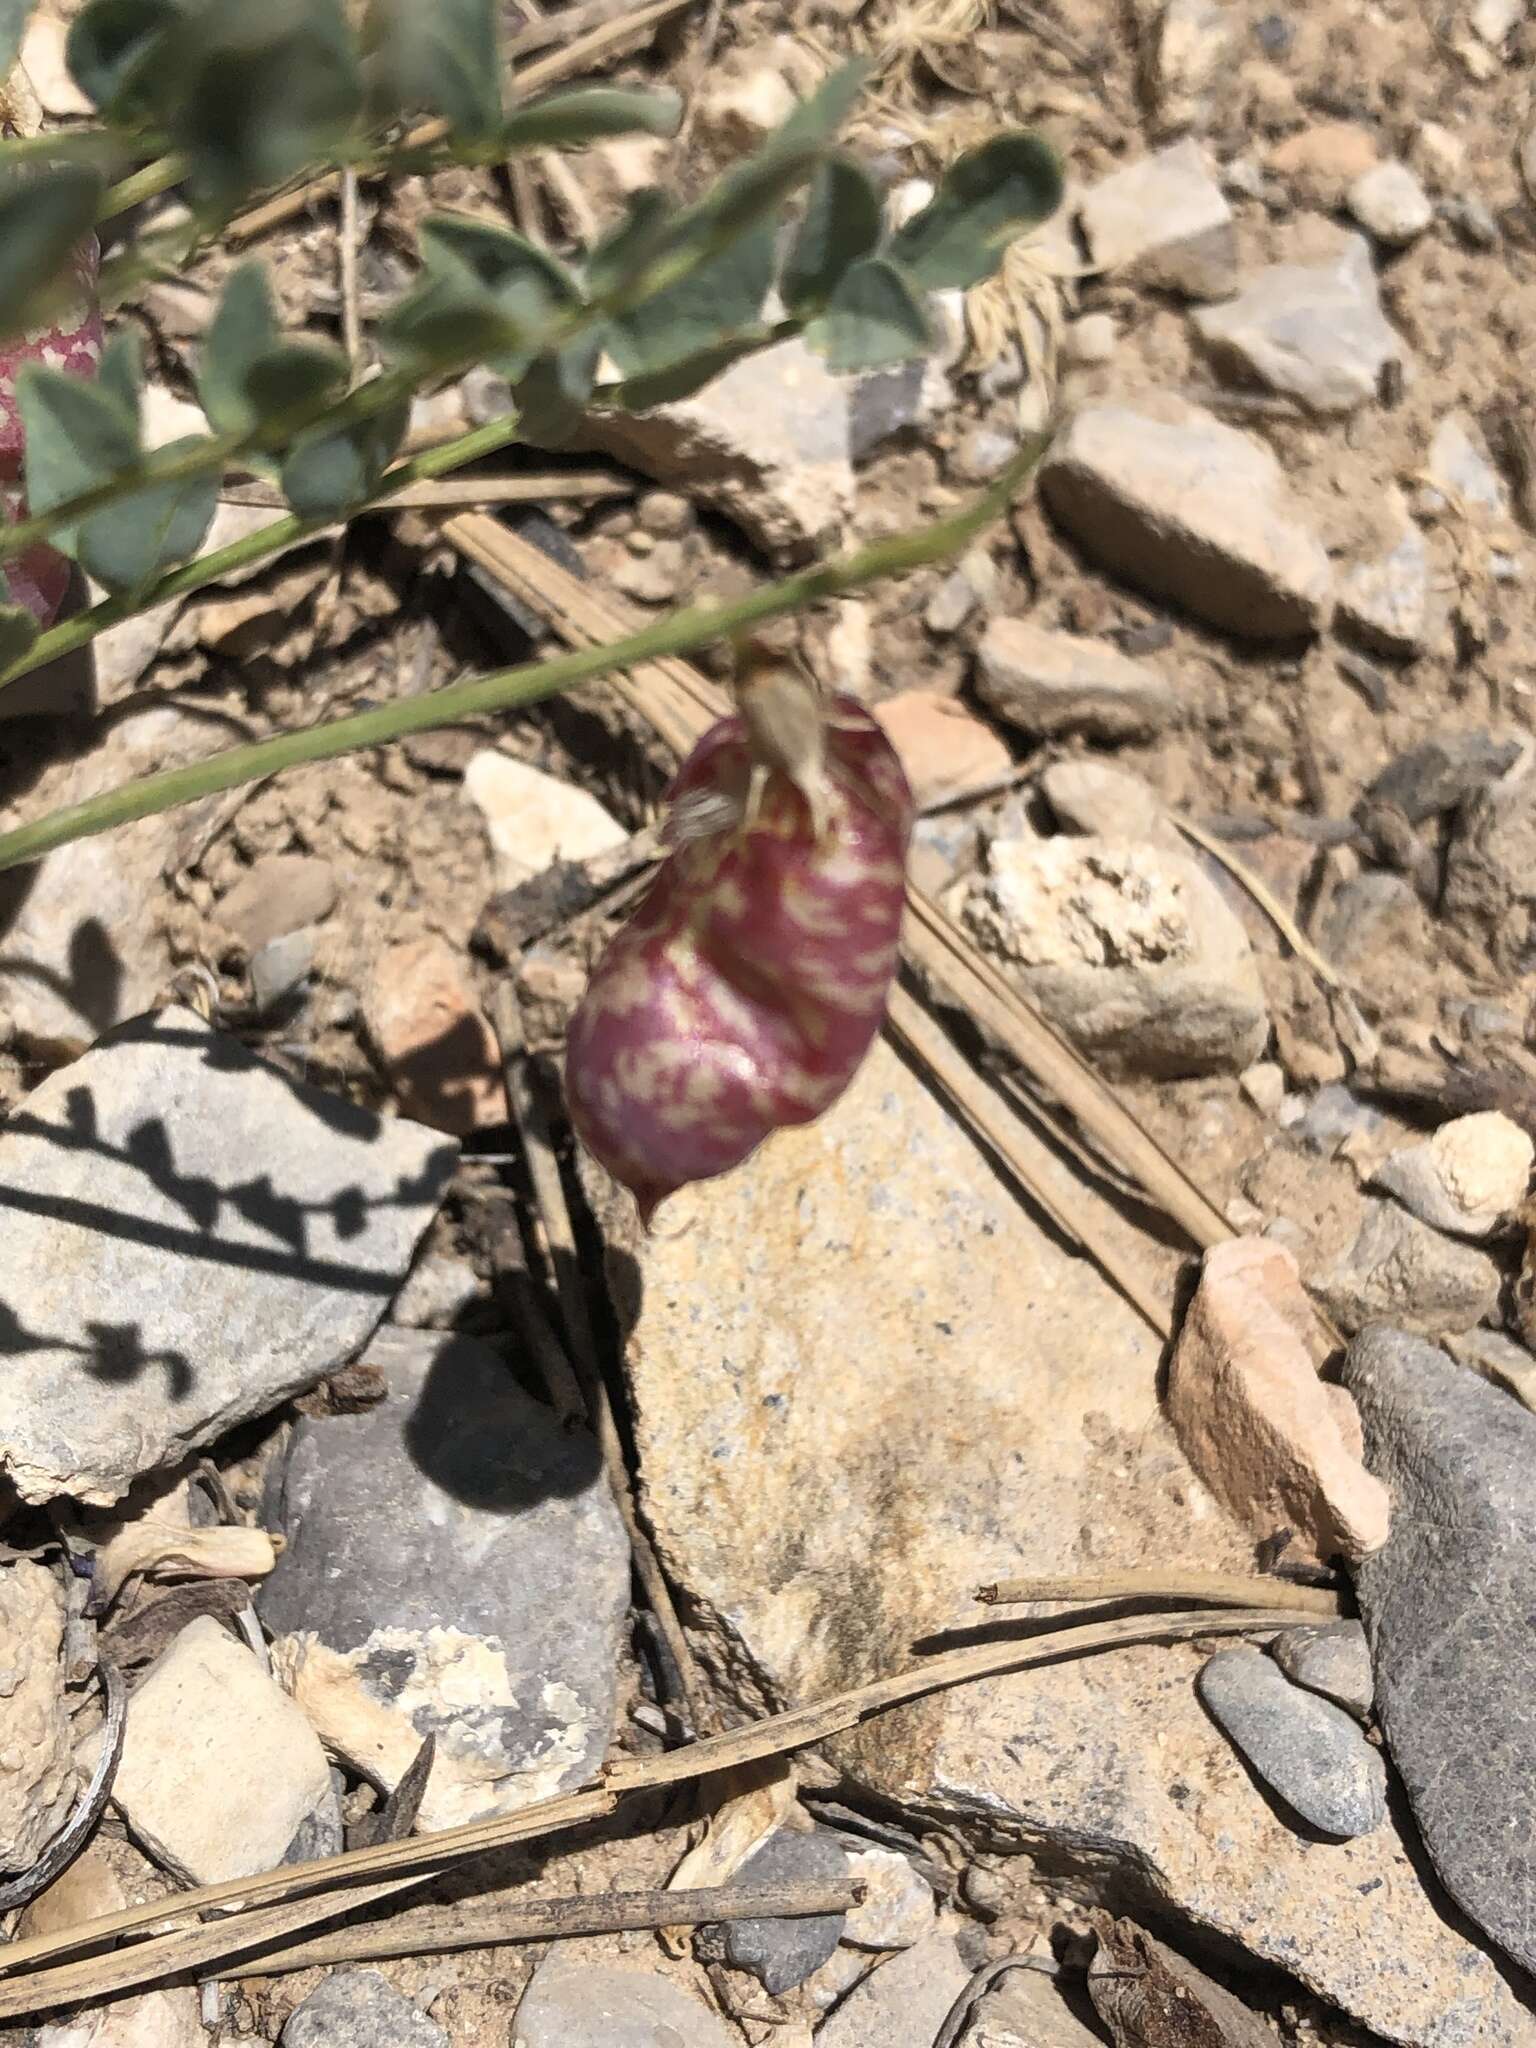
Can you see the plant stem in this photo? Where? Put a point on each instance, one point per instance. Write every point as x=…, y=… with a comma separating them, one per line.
x=79, y=631
x=146, y=183
x=509, y=688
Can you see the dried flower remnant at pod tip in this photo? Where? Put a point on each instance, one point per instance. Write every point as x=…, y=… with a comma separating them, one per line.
x=746, y=988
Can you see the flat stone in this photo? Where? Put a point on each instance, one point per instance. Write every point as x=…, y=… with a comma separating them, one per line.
x=1469, y=1178
x=1459, y=463
x=766, y=443
x=782, y=1953
x=455, y=1564
x=279, y=894
x=219, y=1769
x=436, y=1291
x=280, y=970
x=1400, y=1271
x=533, y=819
x=1391, y=204
x=1334, y=1660
x=38, y=1779
x=360, y=2009
x=897, y=401
x=1193, y=510
x=1447, y=1608
x=158, y=2019
x=1127, y=947
x=191, y=1237
x=1164, y=222
x=1315, y=331
x=82, y=945
x=1047, y=683
x=1308, y=1751
x=905, y=1999
x=1499, y=1359
x=1442, y=772
x=949, y=754
x=1028, y=2010
x=1385, y=603
x=792, y=1442
x=581, y=2000
x=1272, y=1442
x=1091, y=797
x=1490, y=871
x=432, y=1037
x=899, y=1907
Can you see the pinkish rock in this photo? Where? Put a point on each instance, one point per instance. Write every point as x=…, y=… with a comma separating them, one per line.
x=1269, y=1438
x=433, y=1039
x=948, y=753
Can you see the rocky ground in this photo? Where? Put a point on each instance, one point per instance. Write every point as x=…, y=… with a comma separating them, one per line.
x=1224, y=747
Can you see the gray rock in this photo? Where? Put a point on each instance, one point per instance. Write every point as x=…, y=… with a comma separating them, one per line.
x=946, y=1328
x=279, y=894
x=1194, y=510
x=38, y=1779
x=951, y=604
x=896, y=401
x=1447, y=1605
x=280, y=969
x=360, y=2009
x=1047, y=683
x=782, y=1953
x=1400, y=1271
x=1370, y=915
x=1385, y=604
x=1315, y=331
x=1390, y=203
x=1333, y=1660
x=1459, y=463
x=904, y=2000
x=981, y=455
x=1470, y=1177
x=1164, y=222
x=435, y=1294
x=1334, y=1115
x=1088, y=796
x=576, y=2000
x=191, y=1237
x=766, y=443
x=1308, y=1751
x=1490, y=873
x=1439, y=774
x=1498, y=1358
x=1028, y=2009
x=455, y=1564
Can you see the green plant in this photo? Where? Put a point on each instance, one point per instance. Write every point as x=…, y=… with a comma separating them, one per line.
x=224, y=100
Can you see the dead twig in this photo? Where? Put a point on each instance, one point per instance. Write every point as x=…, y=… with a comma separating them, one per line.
x=455, y=493
x=1267, y=901
x=358, y=1877
x=1219, y=1589
x=437, y=1930
x=351, y=307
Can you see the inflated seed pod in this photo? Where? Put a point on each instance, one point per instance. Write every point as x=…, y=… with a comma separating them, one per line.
x=746, y=988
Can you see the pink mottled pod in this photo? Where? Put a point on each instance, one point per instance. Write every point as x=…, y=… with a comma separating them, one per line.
x=745, y=990
x=39, y=577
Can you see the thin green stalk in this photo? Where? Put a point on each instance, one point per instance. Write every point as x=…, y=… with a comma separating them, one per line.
x=79, y=631
x=507, y=688
x=146, y=183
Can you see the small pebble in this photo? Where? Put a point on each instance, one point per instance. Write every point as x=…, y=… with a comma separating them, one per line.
x=981, y=456
x=281, y=967
x=360, y=2009
x=783, y=1953
x=1092, y=339
x=1308, y=1751
x=898, y=1908
x=1334, y=1661
x=1391, y=204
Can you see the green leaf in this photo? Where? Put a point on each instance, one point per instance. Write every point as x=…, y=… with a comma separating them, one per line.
x=842, y=224
x=437, y=56
x=78, y=432
x=294, y=376
x=447, y=311
x=121, y=372
x=329, y=472
x=119, y=54
x=13, y=23
x=683, y=379
x=639, y=237
x=714, y=303
x=526, y=287
x=18, y=628
x=126, y=545
x=244, y=329
x=986, y=198
x=569, y=120
x=42, y=221
x=873, y=319
x=551, y=395
x=264, y=88
x=816, y=121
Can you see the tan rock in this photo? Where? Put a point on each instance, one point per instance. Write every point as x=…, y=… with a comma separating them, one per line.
x=1469, y=1177
x=1321, y=163
x=280, y=894
x=948, y=752
x=432, y=1037
x=1047, y=683
x=532, y=818
x=219, y=1768
x=38, y=1779
x=1164, y=221
x=1088, y=796
x=1190, y=509
x=1258, y=1425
